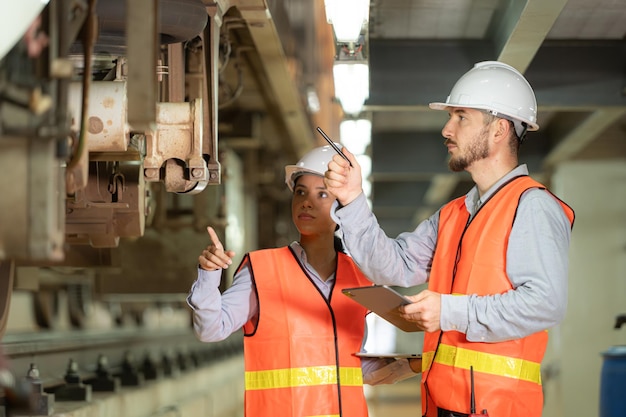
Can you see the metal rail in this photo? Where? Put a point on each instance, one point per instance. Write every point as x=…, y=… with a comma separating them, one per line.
x=152, y=352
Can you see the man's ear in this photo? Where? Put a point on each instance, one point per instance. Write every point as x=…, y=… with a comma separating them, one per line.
x=502, y=130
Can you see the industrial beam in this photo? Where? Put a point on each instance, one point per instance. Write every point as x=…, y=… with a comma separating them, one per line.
x=282, y=86
x=410, y=74
x=585, y=133
x=522, y=29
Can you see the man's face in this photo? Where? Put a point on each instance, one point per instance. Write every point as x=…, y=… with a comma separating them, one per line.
x=466, y=138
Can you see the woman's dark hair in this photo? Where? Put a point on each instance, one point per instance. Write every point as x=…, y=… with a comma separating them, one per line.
x=339, y=245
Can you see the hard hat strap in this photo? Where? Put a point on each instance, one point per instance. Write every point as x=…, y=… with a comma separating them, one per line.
x=522, y=135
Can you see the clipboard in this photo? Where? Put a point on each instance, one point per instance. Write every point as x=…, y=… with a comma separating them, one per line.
x=384, y=301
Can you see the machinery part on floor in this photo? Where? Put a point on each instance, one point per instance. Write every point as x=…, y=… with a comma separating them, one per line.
x=104, y=381
x=73, y=389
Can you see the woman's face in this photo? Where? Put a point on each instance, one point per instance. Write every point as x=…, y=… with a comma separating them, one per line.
x=310, y=206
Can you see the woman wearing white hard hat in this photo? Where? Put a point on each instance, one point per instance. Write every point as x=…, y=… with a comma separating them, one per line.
x=495, y=259
x=300, y=332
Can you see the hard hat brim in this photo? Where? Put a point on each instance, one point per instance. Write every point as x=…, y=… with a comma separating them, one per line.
x=438, y=106
x=532, y=126
x=291, y=170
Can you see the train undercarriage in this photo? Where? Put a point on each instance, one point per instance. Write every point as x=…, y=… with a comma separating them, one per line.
x=110, y=114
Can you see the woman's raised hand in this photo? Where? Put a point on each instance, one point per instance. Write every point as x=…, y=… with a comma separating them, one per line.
x=214, y=257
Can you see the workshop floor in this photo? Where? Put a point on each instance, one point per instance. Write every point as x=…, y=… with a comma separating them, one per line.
x=401, y=399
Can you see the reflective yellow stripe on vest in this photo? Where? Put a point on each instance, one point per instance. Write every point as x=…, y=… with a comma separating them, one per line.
x=484, y=362
x=302, y=377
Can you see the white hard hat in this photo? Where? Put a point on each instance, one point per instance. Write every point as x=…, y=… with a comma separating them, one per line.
x=314, y=162
x=498, y=88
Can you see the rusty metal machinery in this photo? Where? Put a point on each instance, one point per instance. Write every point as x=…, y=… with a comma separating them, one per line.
x=111, y=173
x=79, y=146
x=34, y=132
x=86, y=132
x=107, y=110
x=109, y=148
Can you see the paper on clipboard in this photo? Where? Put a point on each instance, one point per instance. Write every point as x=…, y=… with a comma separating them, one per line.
x=384, y=301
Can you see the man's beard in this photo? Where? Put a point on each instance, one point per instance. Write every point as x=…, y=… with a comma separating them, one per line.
x=477, y=149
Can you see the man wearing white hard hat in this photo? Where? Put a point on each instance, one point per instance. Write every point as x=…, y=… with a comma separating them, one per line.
x=495, y=260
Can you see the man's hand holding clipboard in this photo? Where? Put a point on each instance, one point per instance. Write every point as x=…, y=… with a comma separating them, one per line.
x=384, y=301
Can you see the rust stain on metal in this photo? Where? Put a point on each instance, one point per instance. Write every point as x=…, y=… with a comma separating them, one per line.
x=108, y=102
x=95, y=125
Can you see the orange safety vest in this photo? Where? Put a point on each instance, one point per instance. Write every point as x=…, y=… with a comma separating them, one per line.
x=471, y=259
x=299, y=354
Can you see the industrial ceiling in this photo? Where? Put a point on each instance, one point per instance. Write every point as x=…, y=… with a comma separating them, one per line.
x=236, y=77
x=572, y=52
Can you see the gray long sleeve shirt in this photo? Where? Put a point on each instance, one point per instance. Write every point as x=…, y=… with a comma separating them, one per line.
x=536, y=264
x=216, y=316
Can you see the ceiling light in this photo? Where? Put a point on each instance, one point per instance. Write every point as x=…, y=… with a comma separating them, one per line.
x=351, y=85
x=366, y=170
x=365, y=161
x=356, y=135
x=312, y=100
x=347, y=18
x=366, y=185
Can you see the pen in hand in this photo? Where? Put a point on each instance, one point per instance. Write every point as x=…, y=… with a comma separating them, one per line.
x=319, y=129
